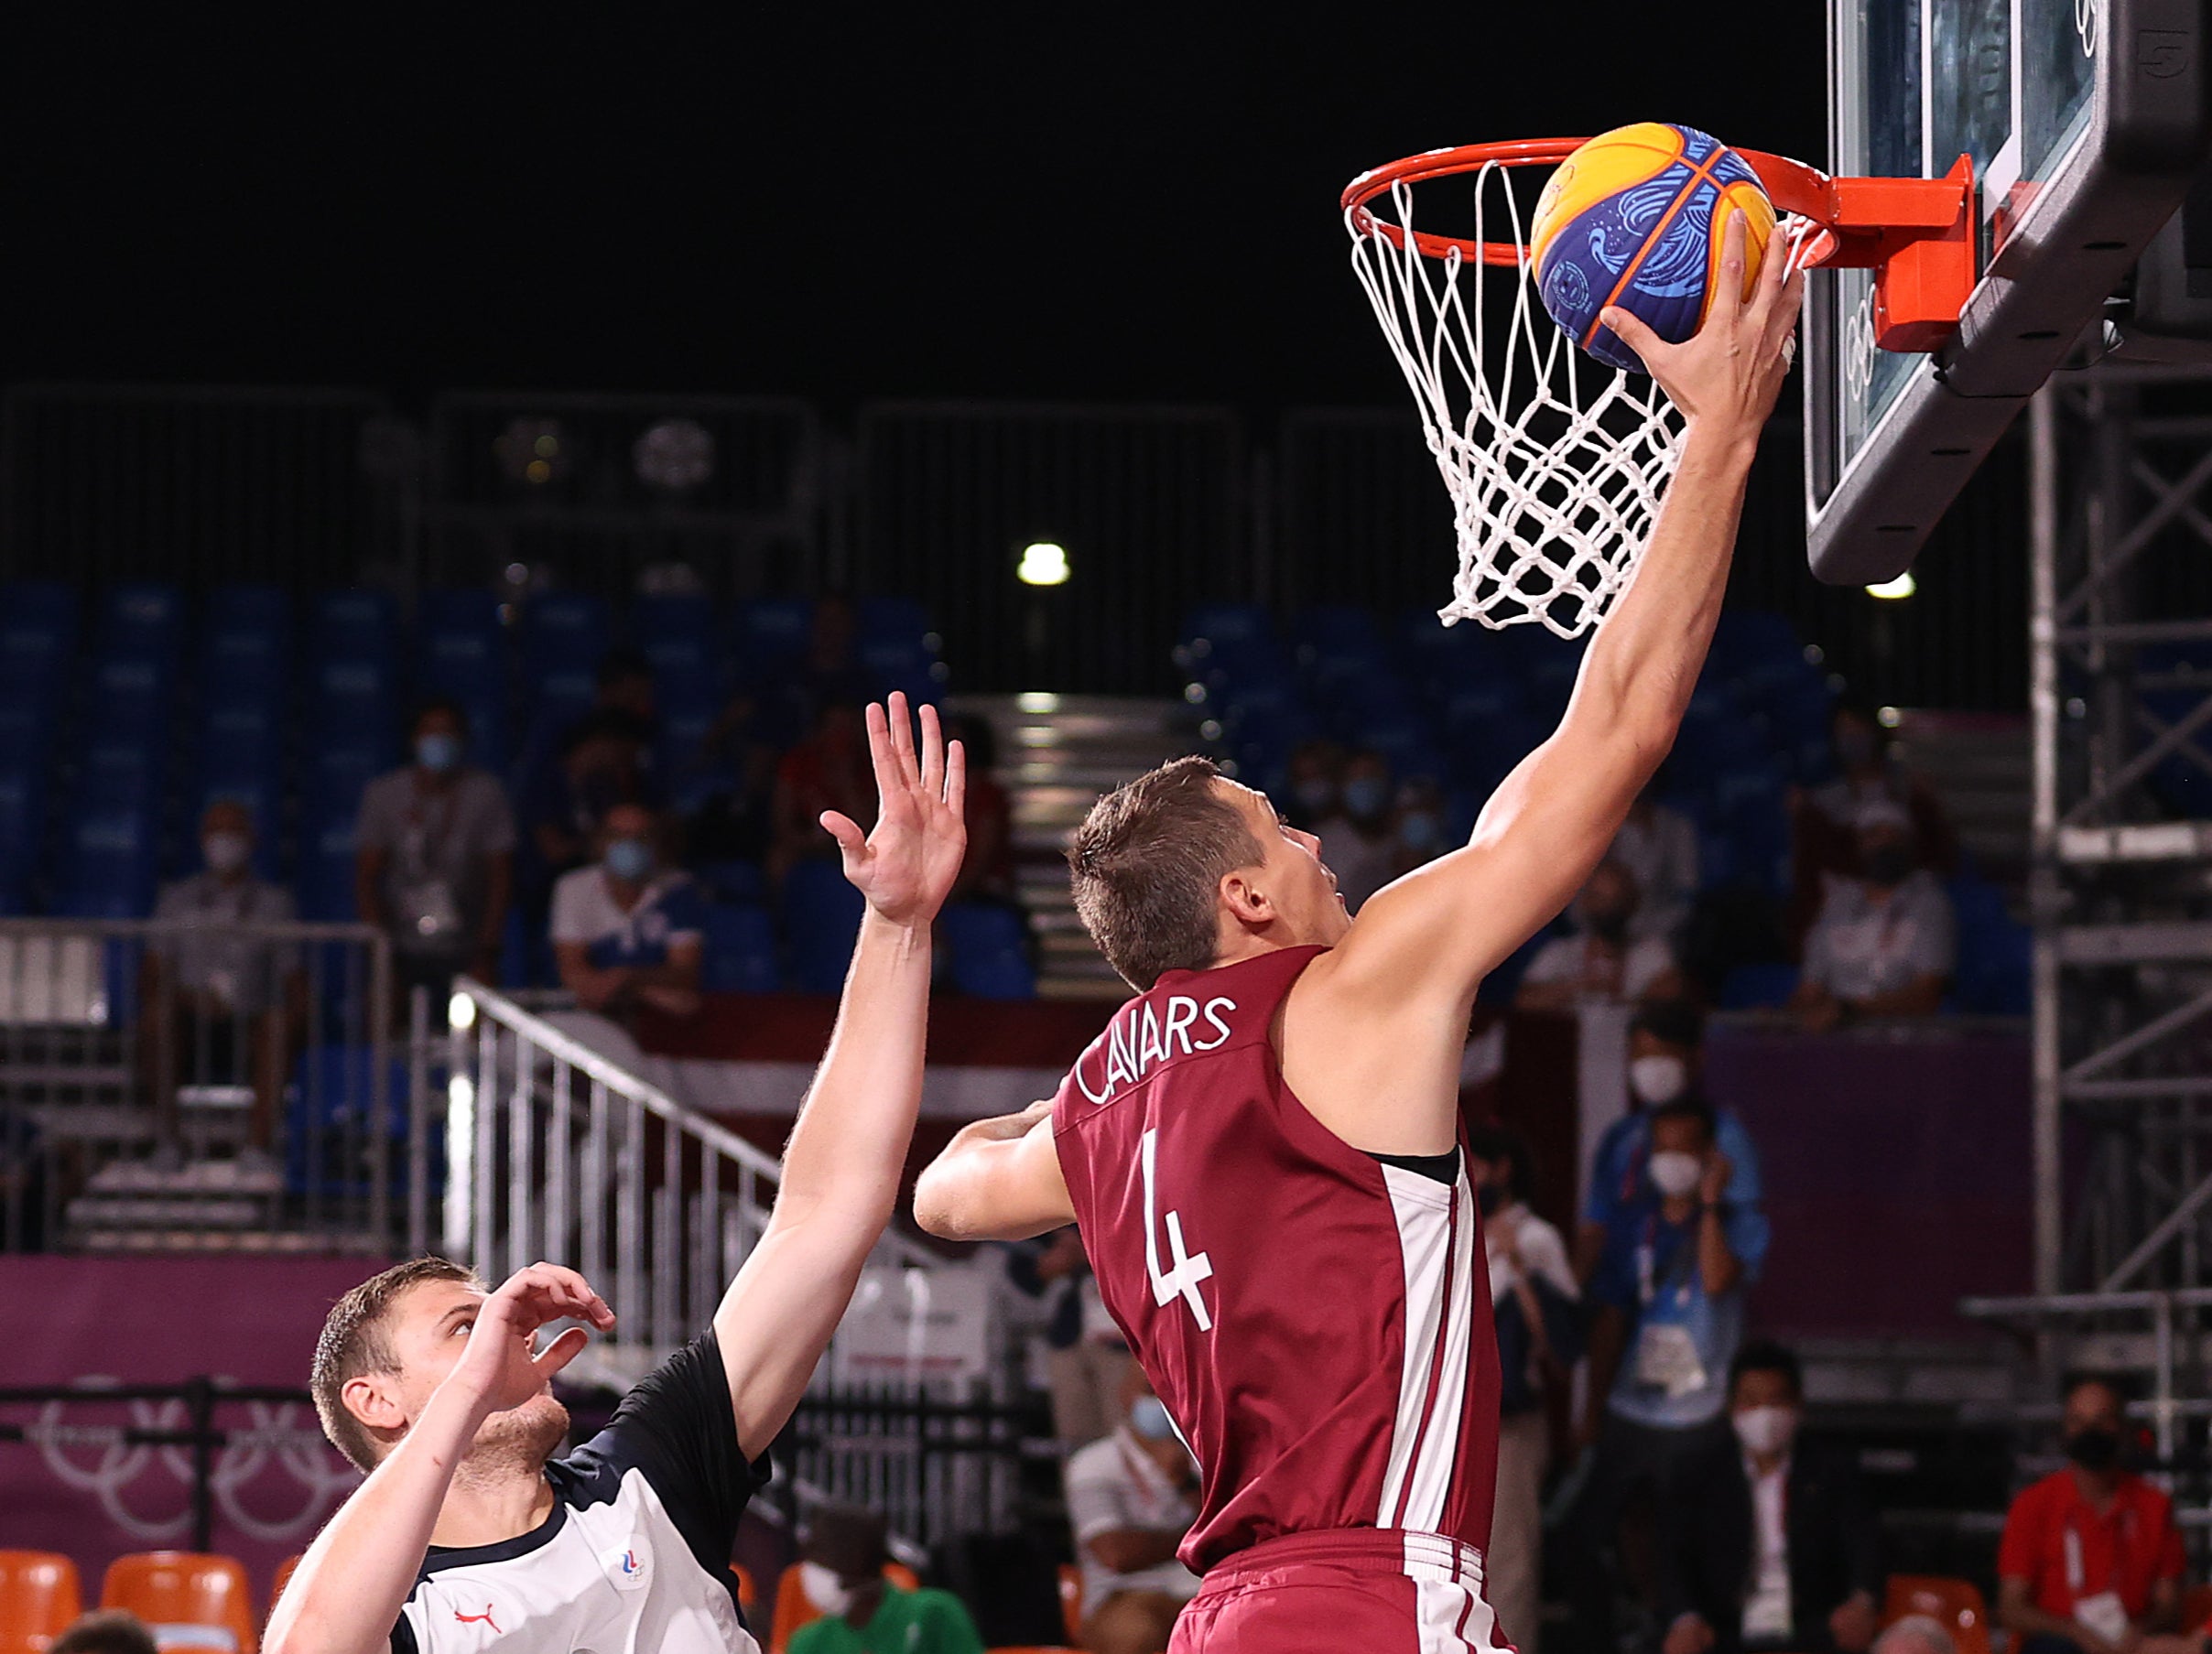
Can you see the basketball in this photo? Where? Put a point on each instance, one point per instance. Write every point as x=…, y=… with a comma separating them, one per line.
x=1634, y=218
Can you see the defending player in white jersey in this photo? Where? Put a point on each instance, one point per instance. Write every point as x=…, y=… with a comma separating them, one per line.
x=467, y=1533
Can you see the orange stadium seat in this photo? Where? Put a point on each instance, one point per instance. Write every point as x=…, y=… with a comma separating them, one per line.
x=1072, y=1603
x=196, y=1604
x=795, y=1609
x=38, y=1597
x=748, y=1592
x=284, y=1569
x=1954, y=1602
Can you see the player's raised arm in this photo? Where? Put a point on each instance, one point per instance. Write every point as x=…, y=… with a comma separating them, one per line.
x=1426, y=941
x=843, y=1165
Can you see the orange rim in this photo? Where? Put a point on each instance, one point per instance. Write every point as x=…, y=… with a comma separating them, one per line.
x=1791, y=186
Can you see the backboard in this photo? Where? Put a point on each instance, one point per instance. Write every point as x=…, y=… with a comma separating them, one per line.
x=2085, y=122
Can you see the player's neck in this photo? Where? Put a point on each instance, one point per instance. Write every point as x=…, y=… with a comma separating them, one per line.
x=491, y=1502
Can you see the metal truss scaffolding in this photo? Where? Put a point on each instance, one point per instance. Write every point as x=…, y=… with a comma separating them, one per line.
x=2121, y=888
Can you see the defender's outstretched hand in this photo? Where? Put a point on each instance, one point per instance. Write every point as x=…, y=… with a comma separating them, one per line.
x=907, y=866
x=1731, y=372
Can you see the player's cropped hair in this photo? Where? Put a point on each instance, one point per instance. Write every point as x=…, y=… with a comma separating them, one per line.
x=1147, y=869
x=353, y=1346
x=1766, y=1356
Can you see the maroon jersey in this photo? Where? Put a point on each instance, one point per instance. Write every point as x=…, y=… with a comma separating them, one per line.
x=1317, y=1321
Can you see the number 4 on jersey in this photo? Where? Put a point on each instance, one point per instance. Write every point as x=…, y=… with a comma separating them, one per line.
x=1185, y=1269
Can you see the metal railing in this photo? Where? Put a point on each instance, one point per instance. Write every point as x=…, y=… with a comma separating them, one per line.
x=557, y=1151
x=173, y=1084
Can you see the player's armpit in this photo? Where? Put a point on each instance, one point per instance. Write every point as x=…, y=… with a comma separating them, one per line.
x=997, y=1180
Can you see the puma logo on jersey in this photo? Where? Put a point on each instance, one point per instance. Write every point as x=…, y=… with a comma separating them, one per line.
x=477, y=1620
x=1138, y=1041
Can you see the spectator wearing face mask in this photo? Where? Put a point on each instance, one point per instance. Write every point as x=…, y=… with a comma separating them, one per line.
x=1316, y=779
x=605, y=762
x=2091, y=1560
x=435, y=865
x=629, y=931
x=1130, y=1503
x=1658, y=845
x=1884, y=944
x=1823, y=822
x=1417, y=827
x=1665, y=1065
x=1603, y=959
x=1355, y=840
x=217, y=1007
x=1538, y=1308
x=841, y=1565
x=1669, y=1291
x=1769, y=1542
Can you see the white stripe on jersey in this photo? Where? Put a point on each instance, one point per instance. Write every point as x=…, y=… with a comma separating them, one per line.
x=1436, y=1242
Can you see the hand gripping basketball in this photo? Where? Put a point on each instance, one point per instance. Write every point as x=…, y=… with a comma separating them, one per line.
x=1729, y=372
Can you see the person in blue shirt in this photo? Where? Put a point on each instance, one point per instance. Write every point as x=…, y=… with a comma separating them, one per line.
x=628, y=931
x=1669, y=1290
x=1665, y=1063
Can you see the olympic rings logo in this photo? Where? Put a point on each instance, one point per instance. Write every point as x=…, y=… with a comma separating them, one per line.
x=277, y=1446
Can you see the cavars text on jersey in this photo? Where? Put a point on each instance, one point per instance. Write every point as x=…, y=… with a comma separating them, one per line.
x=1136, y=1043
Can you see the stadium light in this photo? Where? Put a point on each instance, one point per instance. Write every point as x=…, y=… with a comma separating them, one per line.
x=1903, y=586
x=461, y=1013
x=1043, y=564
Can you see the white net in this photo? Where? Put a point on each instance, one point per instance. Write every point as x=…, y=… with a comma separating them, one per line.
x=1556, y=463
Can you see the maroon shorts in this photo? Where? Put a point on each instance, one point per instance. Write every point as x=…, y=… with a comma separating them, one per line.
x=1380, y=1591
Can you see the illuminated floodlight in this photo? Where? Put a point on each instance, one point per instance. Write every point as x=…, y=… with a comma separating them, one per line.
x=1903, y=586
x=461, y=1013
x=1043, y=564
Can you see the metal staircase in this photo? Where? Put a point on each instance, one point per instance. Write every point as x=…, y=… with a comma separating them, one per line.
x=1057, y=753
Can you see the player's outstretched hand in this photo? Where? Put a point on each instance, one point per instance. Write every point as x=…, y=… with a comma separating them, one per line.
x=907, y=866
x=1730, y=372
x=502, y=1365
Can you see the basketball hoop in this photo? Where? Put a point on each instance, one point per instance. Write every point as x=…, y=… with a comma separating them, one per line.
x=1554, y=463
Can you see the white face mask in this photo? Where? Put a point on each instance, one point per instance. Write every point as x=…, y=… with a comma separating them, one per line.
x=226, y=852
x=824, y=1589
x=1675, y=1174
x=1656, y=1081
x=1765, y=1430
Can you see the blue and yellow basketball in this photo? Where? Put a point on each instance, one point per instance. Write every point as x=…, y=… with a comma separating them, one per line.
x=1634, y=218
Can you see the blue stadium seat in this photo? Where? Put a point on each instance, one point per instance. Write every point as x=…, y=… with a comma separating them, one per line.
x=459, y=609
x=1763, y=987
x=130, y=698
x=22, y=822
x=895, y=661
x=354, y=626
x=684, y=671
x=335, y=775
x=326, y=870
x=772, y=632
x=37, y=640
x=243, y=607
x=142, y=622
x=119, y=774
x=564, y=631
x=739, y=955
x=242, y=738
x=245, y=661
x=990, y=951
x=657, y=616
x=26, y=734
x=330, y=1119
x=822, y=919
x=109, y=865
x=463, y=661
x=356, y=697
x=49, y=605
x=893, y=619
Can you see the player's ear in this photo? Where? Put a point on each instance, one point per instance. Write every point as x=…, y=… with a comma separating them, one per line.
x=371, y=1399
x=1246, y=902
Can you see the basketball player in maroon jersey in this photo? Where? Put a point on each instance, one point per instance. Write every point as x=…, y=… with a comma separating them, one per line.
x=1261, y=1148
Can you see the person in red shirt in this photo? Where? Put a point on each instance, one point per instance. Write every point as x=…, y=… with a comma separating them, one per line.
x=2091, y=1561
x=1262, y=1149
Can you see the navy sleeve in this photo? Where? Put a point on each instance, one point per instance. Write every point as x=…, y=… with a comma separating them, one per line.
x=402, y=1639
x=677, y=1427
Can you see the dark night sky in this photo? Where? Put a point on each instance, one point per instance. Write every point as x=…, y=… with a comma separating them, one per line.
x=1048, y=201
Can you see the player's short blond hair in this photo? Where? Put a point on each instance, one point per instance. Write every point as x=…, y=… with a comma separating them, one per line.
x=1146, y=867
x=355, y=1343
